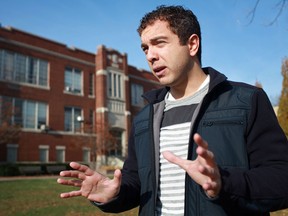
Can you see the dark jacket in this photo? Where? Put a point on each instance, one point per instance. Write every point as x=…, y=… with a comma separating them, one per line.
x=240, y=126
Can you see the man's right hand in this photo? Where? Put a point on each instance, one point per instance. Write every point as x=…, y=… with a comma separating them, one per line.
x=93, y=185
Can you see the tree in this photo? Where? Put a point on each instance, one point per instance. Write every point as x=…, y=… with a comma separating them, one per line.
x=280, y=5
x=99, y=140
x=283, y=103
x=258, y=84
x=9, y=132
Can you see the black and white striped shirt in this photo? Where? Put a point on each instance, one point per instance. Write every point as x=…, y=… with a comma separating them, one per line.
x=174, y=137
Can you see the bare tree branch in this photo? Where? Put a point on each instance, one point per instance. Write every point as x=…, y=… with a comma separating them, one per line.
x=253, y=12
x=281, y=4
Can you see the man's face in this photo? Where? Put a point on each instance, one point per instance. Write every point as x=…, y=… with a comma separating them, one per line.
x=169, y=61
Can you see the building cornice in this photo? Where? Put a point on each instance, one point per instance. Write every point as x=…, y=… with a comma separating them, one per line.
x=45, y=51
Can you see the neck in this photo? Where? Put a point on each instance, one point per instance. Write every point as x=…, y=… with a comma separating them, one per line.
x=191, y=85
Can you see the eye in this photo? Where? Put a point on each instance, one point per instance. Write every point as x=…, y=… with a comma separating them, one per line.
x=161, y=43
x=145, y=49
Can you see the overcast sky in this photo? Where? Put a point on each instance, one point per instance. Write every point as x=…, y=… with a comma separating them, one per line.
x=243, y=52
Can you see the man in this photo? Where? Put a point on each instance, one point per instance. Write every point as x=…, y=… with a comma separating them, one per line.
x=230, y=156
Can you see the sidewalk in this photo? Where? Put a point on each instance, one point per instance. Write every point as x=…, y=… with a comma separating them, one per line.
x=14, y=178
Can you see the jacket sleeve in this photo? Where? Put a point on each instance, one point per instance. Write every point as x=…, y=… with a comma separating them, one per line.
x=128, y=196
x=264, y=186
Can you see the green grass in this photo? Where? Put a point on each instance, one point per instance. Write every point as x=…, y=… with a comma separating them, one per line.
x=37, y=197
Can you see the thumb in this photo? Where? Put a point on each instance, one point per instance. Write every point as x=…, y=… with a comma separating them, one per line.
x=117, y=176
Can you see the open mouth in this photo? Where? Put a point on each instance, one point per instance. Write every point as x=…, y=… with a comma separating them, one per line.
x=159, y=71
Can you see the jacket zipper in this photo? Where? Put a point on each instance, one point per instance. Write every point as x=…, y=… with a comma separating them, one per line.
x=222, y=122
x=153, y=159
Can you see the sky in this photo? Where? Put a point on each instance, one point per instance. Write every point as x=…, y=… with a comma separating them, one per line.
x=244, y=52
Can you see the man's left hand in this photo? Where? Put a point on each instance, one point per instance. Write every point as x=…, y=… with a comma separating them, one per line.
x=203, y=170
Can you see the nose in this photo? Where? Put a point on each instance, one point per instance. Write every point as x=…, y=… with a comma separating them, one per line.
x=151, y=55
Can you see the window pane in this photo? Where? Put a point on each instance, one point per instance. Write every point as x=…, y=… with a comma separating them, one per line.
x=73, y=80
x=8, y=66
x=32, y=70
x=18, y=112
x=91, y=117
x=114, y=85
x=68, y=78
x=60, y=155
x=68, y=119
x=29, y=111
x=116, y=147
x=43, y=72
x=43, y=154
x=110, y=85
x=12, y=152
x=136, y=95
x=119, y=86
x=42, y=112
x=77, y=81
x=77, y=124
x=91, y=84
x=71, y=123
x=20, y=70
x=86, y=155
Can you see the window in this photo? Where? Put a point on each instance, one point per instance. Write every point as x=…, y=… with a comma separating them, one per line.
x=91, y=84
x=71, y=123
x=44, y=153
x=24, y=69
x=86, y=155
x=116, y=145
x=136, y=95
x=12, y=152
x=91, y=117
x=115, y=85
x=73, y=80
x=60, y=154
x=26, y=113
x=8, y=66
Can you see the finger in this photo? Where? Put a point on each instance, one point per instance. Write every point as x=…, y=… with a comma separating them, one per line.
x=169, y=156
x=210, y=172
x=82, y=168
x=70, y=194
x=212, y=188
x=205, y=153
x=70, y=182
x=117, y=177
x=73, y=174
x=200, y=141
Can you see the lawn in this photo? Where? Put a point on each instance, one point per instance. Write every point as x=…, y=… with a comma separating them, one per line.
x=36, y=197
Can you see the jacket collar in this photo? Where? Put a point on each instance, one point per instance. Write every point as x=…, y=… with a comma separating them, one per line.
x=158, y=95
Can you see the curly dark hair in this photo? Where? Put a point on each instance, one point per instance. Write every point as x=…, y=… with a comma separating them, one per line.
x=181, y=21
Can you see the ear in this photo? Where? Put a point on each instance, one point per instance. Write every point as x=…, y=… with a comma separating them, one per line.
x=193, y=44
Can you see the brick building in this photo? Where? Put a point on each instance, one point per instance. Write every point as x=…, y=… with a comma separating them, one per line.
x=60, y=103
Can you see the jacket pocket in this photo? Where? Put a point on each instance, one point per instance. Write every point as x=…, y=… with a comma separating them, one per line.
x=226, y=139
x=224, y=122
x=141, y=127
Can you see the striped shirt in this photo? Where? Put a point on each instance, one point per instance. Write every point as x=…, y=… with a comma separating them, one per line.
x=174, y=137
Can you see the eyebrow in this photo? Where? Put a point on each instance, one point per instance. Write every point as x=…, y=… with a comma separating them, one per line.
x=153, y=40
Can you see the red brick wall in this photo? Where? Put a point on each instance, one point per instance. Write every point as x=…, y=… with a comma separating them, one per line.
x=60, y=56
